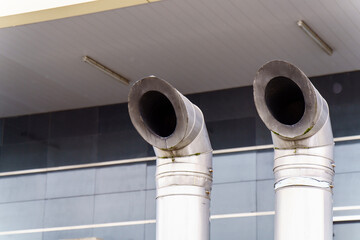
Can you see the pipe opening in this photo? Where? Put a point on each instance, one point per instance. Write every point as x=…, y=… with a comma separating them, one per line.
x=158, y=113
x=285, y=100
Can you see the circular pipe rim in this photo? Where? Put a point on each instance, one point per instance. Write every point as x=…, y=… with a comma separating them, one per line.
x=280, y=68
x=153, y=83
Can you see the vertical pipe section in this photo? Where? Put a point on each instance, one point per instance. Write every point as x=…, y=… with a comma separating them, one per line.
x=298, y=118
x=176, y=129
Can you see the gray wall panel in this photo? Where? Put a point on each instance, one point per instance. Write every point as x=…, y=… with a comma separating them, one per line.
x=347, y=231
x=72, y=234
x=83, y=122
x=27, y=128
x=69, y=211
x=346, y=190
x=150, y=175
x=221, y=105
x=122, y=145
x=234, y=167
x=22, y=188
x=264, y=164
x=72, y=150
x=29, y=155
x=150, y=204
x=114, y=118
x=70, y=183
x=346, y=157
x=265, y=227
x=29, y=236
x=120, y=233
x=265, y=195
x=150, y=231
x=21, y=215
x=263, y=135
x=119, y=207
x=233, y=229
x=121, y=178
x=233, y=198
x=231, y=133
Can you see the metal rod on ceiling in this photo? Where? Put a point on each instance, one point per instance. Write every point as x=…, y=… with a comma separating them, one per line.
x=105, y=70
x=315, y=37
x=298, y=118
x=176, y=129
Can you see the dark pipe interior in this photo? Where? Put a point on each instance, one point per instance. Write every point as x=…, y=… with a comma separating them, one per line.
x=285, y=100
x=158, y=113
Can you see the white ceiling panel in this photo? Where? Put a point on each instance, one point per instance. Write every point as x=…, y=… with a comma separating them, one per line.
x=196, y=45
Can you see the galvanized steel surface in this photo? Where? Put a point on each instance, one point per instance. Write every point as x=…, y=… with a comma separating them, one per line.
x=184, y=164
x=303, y=160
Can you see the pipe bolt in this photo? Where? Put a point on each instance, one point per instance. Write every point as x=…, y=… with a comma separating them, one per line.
x=211, y=170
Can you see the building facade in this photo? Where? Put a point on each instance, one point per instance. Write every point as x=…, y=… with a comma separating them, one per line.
x=87, y=173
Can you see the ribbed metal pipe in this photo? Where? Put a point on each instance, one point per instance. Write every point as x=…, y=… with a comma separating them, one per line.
x=298, y=118
x=176, y=129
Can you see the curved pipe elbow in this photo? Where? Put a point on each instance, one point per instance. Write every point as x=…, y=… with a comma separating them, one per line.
x=291, y=107
x=166, y=119
x=298, y=117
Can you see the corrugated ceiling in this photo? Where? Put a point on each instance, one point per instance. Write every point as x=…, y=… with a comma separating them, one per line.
x=196, y=45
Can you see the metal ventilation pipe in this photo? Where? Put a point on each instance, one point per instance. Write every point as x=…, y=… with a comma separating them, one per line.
x=176, y=129
x=298, y=118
